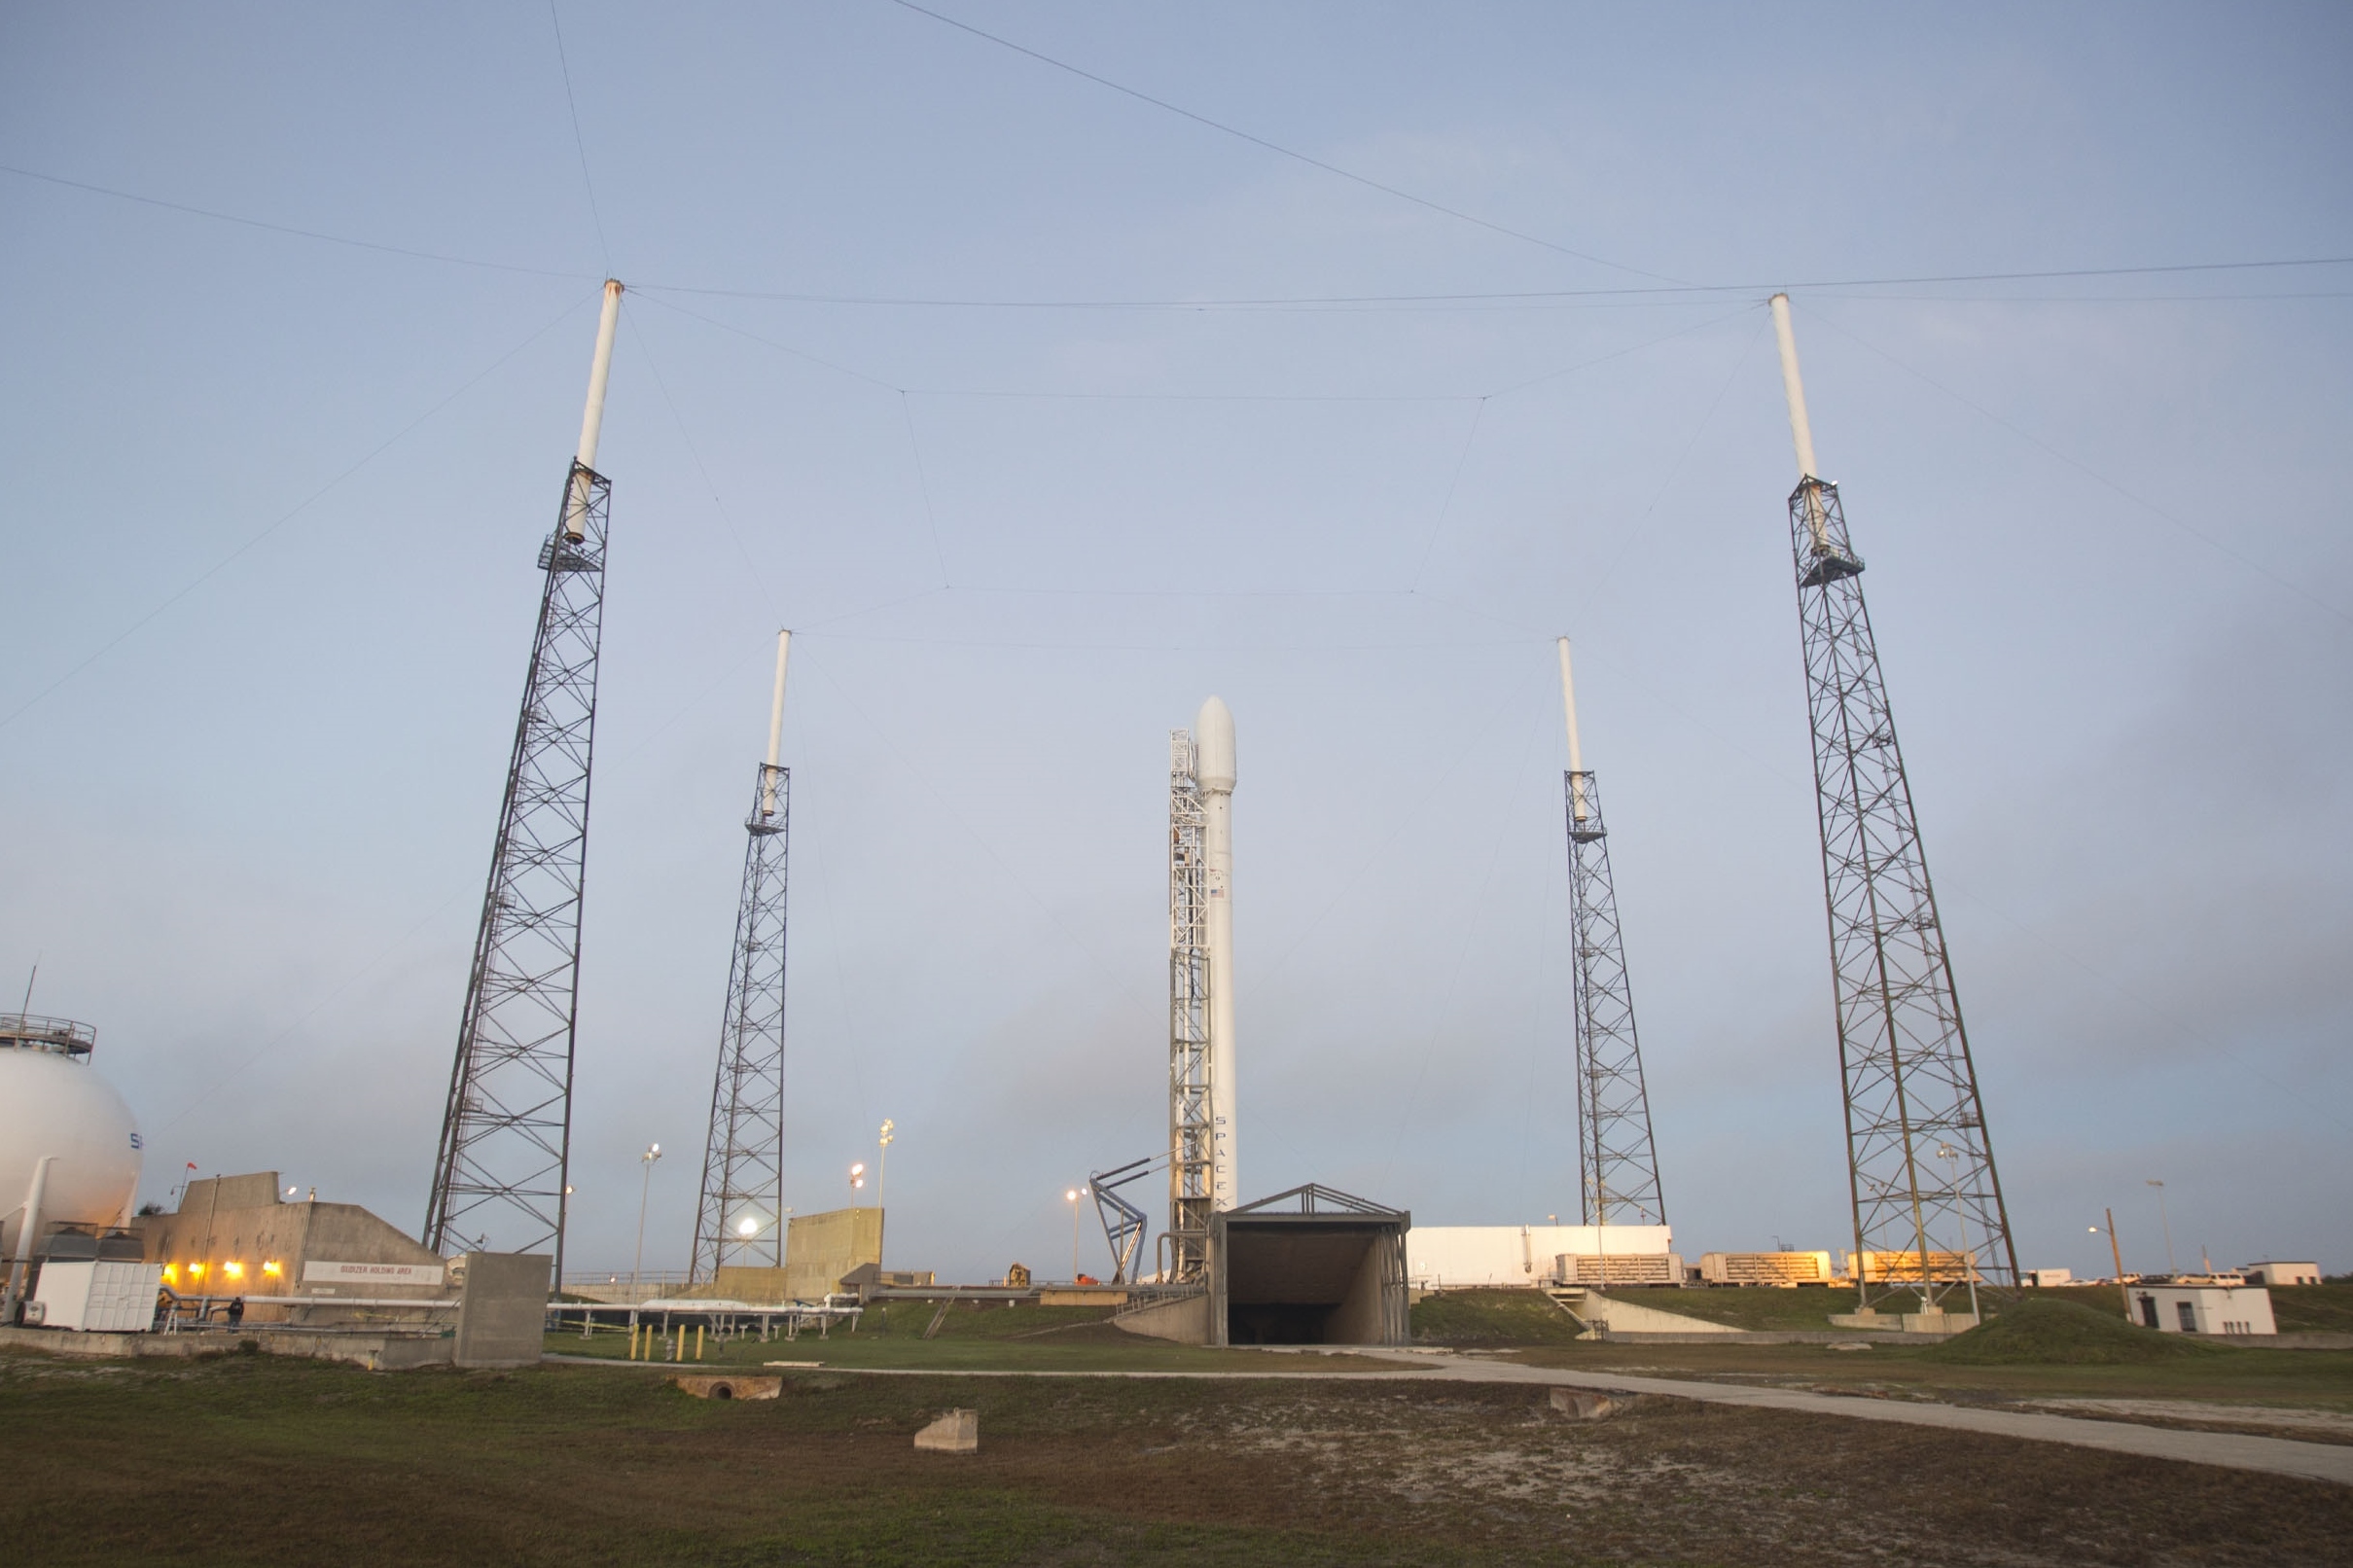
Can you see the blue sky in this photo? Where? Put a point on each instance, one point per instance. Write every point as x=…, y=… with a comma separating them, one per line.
x=964, y=366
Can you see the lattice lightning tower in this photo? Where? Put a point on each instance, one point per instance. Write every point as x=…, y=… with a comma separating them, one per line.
x=499, y=1180
x=740, y=1220
x=1927, y=1201
x=1192, y=1153
x=1618, y=1168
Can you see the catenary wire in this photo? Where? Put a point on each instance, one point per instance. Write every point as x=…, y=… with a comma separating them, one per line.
x=579, y=142
x=1274, y=147
x=299, y=508
x=1283, y=302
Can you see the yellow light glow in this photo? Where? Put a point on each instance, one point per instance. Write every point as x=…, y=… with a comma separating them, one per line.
x=171, y=1271
x=195, y=1271
x=271, y=1268
x=234, y=1271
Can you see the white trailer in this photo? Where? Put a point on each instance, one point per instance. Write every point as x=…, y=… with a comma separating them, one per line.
x=98, y=1297
x=1781, y=1267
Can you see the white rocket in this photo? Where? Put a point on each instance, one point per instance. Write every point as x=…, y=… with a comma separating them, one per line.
x=1213, y=773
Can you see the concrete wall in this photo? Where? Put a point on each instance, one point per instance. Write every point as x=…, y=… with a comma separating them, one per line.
x=1185, y=1320
x=260, y=1249
x=502, y=1321
x=1361, y=1318
x=820, y=1248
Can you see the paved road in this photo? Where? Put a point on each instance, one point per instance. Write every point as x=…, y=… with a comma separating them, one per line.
x=2231, y=1451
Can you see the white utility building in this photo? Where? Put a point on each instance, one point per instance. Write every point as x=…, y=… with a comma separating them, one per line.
x=1465, y=1257
x=2220, y=1309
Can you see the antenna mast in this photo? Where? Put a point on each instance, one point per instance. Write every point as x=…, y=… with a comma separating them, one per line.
x=1912, y=1088
x=499, y=1180
x=740, y=1220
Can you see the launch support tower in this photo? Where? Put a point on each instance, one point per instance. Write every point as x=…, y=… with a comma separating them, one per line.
x=1201, y=1170
x=1618, y=1168
x=1928, y=1207
x=499, y=1180
x=740, y=1219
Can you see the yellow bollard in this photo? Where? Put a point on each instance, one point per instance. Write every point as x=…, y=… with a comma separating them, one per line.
x=699, y=1341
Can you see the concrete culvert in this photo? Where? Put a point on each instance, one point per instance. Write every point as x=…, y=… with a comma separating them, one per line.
x=738, y=1388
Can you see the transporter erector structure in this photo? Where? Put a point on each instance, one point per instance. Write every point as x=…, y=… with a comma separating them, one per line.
x=1202, y=1175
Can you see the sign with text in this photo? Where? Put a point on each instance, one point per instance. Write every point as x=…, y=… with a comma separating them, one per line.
x=316, y=1272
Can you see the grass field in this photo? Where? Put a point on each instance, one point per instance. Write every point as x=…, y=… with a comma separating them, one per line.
x=255, y=1460
x=1491, y=1318
x=2319, y=1380
x=2298, y=1308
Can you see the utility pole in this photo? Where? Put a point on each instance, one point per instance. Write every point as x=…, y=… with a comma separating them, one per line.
x=2115, y=1251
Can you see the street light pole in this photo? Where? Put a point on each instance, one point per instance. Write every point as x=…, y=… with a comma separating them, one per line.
x=882, y=1172
x=2170, y=1266
x=1969, y=1264
x=1072, y=1196
x=637, y=1271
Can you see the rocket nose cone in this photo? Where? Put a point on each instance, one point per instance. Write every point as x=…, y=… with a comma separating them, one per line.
x=1213, y=740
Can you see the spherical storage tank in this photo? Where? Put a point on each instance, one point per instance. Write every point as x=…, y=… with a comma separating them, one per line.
x=53, y=1103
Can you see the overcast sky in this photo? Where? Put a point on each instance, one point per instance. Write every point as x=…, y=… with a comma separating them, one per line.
x=962, y=364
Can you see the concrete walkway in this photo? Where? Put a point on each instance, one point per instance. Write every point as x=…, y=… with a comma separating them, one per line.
x=2231, y=1450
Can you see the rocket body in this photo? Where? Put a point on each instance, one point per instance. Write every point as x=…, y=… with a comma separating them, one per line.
x=1213, y=773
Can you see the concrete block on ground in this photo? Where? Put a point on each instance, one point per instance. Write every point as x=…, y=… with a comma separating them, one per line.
x=1587, y=1404
x=502, y=1320
x=956, y=1432
x=731, y=1386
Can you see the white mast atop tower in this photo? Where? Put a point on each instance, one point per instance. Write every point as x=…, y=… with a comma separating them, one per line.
x=1568, y=702
x=592, y=416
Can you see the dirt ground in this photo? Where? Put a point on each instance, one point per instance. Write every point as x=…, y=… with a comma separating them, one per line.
x=248, y=1459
